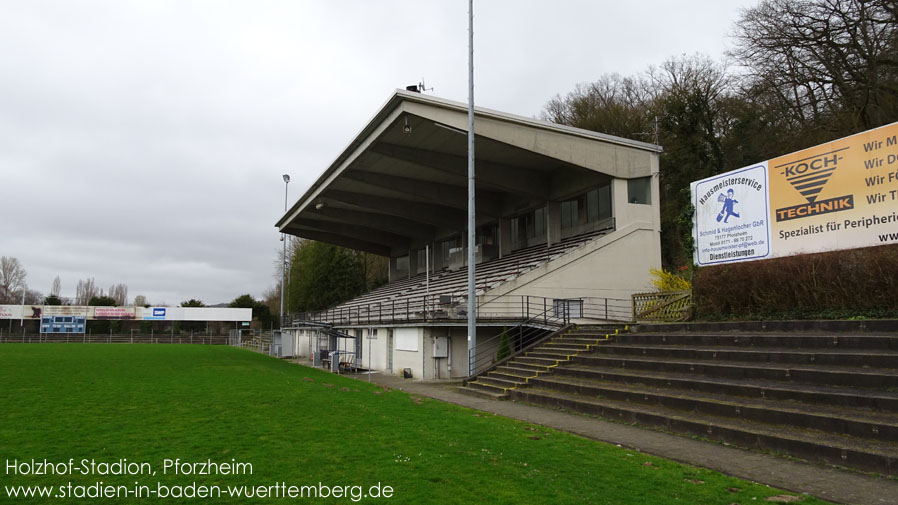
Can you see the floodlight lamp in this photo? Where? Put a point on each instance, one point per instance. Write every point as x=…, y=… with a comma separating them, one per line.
x=320, y=205
x=407, y=128
x=286, y=178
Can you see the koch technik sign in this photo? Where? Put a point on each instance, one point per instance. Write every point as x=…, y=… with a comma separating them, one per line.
x=838, y=195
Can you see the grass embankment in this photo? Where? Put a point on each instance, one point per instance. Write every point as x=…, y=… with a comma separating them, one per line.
x=300, y=426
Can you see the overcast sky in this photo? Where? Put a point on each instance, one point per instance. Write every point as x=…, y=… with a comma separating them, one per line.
x=143, y=142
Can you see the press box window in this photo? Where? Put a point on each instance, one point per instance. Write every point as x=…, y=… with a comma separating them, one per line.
x=640, y=190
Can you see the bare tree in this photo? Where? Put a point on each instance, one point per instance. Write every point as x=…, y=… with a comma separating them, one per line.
x=85, y=290
x=57, y=287
x=12, y=279
x=119, y=293
x=272, y=298
x=613, y=104
x=282, y=264
x=33, y=297
x=683, y=105
x=825, y=65
x=140, y=301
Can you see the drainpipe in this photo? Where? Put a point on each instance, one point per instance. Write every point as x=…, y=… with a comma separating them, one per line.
x=449, y=363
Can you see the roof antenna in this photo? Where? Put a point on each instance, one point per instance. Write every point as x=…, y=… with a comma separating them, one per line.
x=418, y=88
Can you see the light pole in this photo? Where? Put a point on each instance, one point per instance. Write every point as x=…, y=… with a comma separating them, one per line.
x=472, y=235
x=22, y=317
x=284, y=258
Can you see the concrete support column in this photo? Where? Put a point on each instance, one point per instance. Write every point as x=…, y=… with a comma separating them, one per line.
x=439, y=261
x=395, y=272
x=620, y=204
x=504, y=237
x=413, y=262
x=553, y=222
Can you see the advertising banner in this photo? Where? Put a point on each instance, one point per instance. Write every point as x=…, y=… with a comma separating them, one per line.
x=838, y=195
x=36, y=311
x=114, y=312
x=216, y=314
x=733, y=210
x=125, y=313
x=11, y=311
x=158, y=313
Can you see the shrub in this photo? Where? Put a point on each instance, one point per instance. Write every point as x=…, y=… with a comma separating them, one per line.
x=666, y=282
x=504, y=346
x=831, y=285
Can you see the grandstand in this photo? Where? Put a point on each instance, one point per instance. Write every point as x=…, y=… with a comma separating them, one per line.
x=567, y=228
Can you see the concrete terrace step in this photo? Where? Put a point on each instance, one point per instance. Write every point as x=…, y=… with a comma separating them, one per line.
x=832, y=375
x=563, y=347
x=562, y=354
x=486, y=386
x=516, y=376
x=540, y=359
x=560, y=348
x=551, y=356
x=808, y=393
x=602, y=327
x=514, y=371
x=576, y=333
x=874, y=456
x=882, y=426
x=545, y=362
x=497, y=381
x=527, y=366
x=482, y=393
x=772, y=355
x=565, y=340
x=790, y=341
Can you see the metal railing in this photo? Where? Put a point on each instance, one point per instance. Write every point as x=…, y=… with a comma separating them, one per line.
x=416, y=308
x=512, y=341
x=441, y=308
x=544, y=317
x=253, y=341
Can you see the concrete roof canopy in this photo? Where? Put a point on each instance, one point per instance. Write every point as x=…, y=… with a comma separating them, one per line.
x=402, y=181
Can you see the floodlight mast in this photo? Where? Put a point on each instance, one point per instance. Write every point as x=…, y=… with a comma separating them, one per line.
x=284, y=258
x=472, y=236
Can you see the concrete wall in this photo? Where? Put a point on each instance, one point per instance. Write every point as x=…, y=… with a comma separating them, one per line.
x=406, y=358
x=439, y=368
x=613, y=266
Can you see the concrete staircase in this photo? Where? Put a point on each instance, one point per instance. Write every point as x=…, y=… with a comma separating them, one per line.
x=825, y=398
x=542, y=358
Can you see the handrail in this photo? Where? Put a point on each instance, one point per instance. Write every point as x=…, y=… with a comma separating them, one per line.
x=518, y=337
x=438, y=308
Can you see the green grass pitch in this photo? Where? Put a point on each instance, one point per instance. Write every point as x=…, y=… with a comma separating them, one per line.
x=297, y=427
